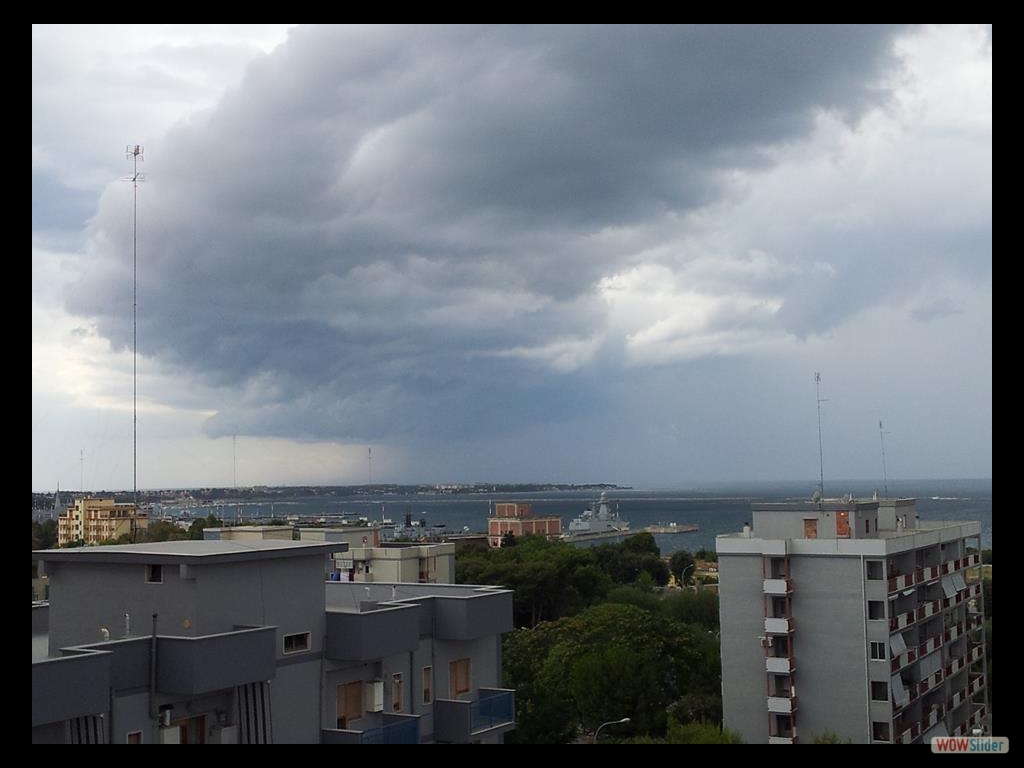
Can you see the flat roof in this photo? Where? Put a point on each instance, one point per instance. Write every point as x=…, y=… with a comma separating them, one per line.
x=202, y=551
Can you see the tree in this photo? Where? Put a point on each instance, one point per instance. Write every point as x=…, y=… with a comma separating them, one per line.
x=44, y=534
x=679, y=564
x=614, y=682
x=986, y=556
x=508, y=540
x=195, y=531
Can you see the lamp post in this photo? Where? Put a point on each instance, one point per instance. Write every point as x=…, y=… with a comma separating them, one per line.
x=682, y=576
x=610, y=722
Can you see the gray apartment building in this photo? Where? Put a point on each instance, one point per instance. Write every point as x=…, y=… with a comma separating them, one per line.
x=246, y=642
x=853, y=616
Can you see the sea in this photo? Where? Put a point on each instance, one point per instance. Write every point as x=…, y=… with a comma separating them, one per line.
x=715, y=509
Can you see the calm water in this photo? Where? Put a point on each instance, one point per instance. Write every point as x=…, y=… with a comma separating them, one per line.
x=716, y=509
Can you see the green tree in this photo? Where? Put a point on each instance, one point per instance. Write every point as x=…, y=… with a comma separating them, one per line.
x=986, y=556
x=195, y=531
x=679, y=564
x=693, y=607
x=508, y=540
x=44, y=534
x=162, y=530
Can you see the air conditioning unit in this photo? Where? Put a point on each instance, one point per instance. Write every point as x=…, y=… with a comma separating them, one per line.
x=375, y=696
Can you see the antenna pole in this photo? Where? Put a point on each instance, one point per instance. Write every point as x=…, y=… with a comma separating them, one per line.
x=234, y=463
x=135, y=153
x=885, y=479
x=821, y=464
x=369, y=462
x=81, y=471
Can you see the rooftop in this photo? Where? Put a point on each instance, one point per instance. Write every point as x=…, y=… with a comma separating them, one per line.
x=187, y=551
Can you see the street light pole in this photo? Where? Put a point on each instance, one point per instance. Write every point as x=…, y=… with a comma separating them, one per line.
x=610, y=722
x=682, y=576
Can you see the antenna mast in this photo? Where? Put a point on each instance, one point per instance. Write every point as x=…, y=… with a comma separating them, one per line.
x=234, y=463
x=134, y=153
x=81, y=471
x=821, y=464
x=369, y=463
x=885, y=479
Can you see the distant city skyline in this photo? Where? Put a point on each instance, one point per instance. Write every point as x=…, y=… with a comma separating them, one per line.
x=511, y=254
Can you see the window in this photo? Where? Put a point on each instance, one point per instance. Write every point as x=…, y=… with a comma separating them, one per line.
x=458, y=677
x=867, y=526
x=876, y=609
x=878, y=652
x=810, y=528
x=396, y=692
x=428, y=684
x=874, y=570
x=349, y=703
x=880, y=731
x=135, y=737
x=154, y=574
x=842, y=524
x=296, y=643
x=879, y=690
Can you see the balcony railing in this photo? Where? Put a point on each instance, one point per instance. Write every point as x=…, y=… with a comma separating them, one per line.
x=778, y=586
x=784, y=705
x=395, y=728
x=779, y=664
x=460, y=722
x=902, y=621
x=778, y=626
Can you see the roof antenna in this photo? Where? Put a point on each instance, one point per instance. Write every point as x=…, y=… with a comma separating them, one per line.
x=821, y=465
x=885, y=480
x=134, y=153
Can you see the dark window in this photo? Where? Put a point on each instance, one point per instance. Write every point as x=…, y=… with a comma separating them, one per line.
x=296, y=643
x=878, y=652
x=879, y=691
x=874, y=570
x=880, y=731
x=154, y=574
x=876, y=609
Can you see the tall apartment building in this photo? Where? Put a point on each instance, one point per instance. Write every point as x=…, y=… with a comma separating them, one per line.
x=94, y=520
x=852, y=616
x=246, y=642
x=518, y=519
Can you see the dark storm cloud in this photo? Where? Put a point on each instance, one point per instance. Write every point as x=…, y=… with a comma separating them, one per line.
x=401, y=231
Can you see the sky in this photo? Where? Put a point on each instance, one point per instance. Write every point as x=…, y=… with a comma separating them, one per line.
x=511, y=254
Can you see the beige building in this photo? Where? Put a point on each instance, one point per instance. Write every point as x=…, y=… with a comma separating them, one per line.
x=95, y=520
x=364, y=557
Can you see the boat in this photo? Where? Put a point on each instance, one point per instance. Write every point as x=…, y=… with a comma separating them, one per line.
x=598, y=521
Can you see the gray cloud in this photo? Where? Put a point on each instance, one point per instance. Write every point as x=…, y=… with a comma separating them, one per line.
x=403, y=231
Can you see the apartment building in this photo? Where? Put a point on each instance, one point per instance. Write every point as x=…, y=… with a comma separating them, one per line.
x=246, y=642
x=94, y=520
x=852, y=616
x=363, y=557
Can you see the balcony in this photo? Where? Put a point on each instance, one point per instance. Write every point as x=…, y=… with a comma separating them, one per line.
x=976, y=684
x=395, y=729
x=929, y=609
x=778, y=586
x=909, y=734
x=903, y=660
x=71, y=686
x=902, y=620
x=372, y=634
x=491, y=713
x=782, y=665
x=783, y=705
x=194, y=665
x=779, y=626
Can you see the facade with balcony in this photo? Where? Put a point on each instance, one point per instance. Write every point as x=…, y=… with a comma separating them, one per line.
x=246, y=642
x=873, y=616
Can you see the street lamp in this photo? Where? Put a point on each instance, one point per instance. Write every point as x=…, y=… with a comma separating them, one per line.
x=610, y=722
x=682, y=576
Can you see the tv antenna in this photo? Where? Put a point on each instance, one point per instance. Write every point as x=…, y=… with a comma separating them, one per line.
x=369, y=463
x=821, y=464
x=885, y=480
x=134, y=152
